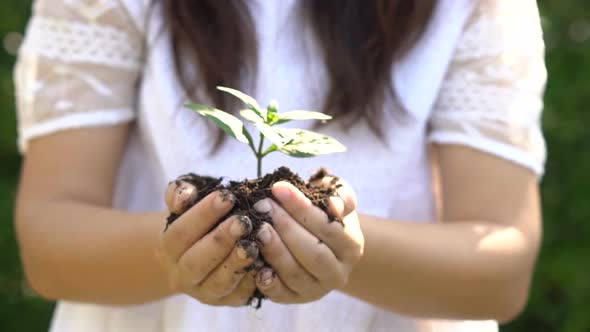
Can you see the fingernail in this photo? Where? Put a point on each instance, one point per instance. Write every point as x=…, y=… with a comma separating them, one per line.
x=247, y=249
x=241, y=225
x=282, y=192
x=184, y=196
x=223, y=198
x=264, y=235
x=265, y=276
x=186, y=193
x=263, y=206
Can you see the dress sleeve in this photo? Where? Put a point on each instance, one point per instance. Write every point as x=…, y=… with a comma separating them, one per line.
x=492, y=96
x=78, y=66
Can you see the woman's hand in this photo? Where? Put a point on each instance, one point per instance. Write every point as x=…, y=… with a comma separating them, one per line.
x=309, y=254
x=206, y=261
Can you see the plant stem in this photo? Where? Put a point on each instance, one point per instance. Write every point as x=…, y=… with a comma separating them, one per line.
x=259, y=155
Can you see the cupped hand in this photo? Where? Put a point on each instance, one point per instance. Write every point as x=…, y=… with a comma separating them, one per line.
x=309, y=254
x=204, y=258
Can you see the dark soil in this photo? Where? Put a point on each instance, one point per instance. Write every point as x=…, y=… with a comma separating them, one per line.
x=248, y=192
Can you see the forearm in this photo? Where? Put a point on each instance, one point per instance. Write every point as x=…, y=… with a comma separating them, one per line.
x=461, y=270
x=80, y=252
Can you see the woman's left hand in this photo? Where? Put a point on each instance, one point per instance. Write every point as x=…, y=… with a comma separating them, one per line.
x=309, y=254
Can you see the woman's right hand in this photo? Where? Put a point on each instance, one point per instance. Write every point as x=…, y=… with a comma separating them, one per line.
x=203, y=259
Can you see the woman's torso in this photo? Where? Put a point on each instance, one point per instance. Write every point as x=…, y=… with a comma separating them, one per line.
x=390, y=175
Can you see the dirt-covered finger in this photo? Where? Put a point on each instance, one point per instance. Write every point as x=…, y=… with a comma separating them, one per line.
x=211, y=250
x=278, y=256
x=343, y=191
x=269, y=284
x=313, y=255
x=227, y=275
x=353, y=249
x=243, y=291
x=312, y=218
x=194, y=224
x=180, y=196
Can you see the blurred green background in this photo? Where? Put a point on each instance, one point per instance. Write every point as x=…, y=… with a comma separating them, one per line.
x=560, y=299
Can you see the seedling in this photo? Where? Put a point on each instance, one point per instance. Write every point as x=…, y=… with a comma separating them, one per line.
x=294, y=142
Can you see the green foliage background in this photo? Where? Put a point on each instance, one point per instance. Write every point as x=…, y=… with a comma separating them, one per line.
x=560, y=299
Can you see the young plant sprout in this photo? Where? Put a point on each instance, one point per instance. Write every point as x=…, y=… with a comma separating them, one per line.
x=294, y=142
x=189, y=189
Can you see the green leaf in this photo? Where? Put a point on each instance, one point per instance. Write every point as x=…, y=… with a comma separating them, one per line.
x=272, y=118
x=250, y=115
x=227, y=122
x=273, y=134
x=304, y=143
x=269, y=132
x=271, y=149
x=249, y=101
x=273, y=106
x=302, y=115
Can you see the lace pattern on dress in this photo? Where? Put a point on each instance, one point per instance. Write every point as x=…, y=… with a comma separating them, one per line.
x=78, y=66
x=491, y=97
x=81, y=42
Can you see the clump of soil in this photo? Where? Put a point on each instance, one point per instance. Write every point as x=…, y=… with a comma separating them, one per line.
x=248, y=192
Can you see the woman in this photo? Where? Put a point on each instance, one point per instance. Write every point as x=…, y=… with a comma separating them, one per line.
x=433, y=100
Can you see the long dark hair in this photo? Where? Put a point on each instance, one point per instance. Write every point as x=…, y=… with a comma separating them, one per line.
x=360, y=39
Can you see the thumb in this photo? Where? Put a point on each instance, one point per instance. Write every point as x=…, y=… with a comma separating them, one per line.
x=180, y=195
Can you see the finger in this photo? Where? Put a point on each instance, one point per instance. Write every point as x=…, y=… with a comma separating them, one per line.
x=241, y=295
x=348, y=197
x=293, y=275
x=313, y=219
x=269, y=284
x=313, y=255
x=207, y=253
x=343, y=191
x=194, y=224
x=180, y=196
x=243, y=291
x=227, y=275
x=356, y=246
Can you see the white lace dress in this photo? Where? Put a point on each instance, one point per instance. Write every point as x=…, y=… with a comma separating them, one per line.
x=476, y=78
